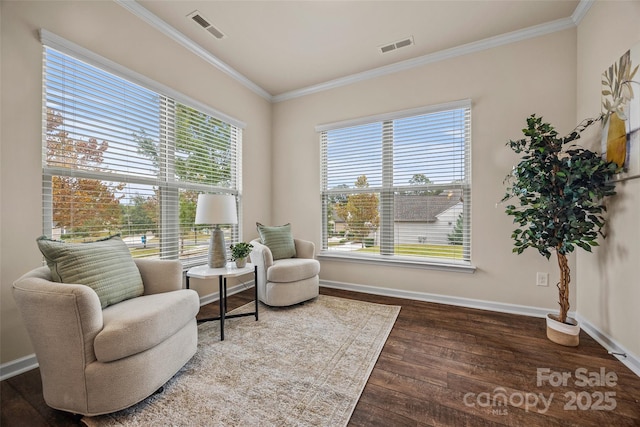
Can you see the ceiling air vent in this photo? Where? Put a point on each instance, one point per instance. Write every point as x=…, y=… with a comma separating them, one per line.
x=396, y=45
x=204, y=23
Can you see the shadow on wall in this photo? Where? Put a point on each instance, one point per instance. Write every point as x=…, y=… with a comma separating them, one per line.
x=609, y=252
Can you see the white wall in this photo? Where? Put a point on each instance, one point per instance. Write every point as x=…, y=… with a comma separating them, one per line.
x=506, y=85
x=609, y=279
x=281, y=150
x=110, y=31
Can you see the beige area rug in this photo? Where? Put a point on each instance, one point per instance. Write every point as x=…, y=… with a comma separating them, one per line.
x=304, y=365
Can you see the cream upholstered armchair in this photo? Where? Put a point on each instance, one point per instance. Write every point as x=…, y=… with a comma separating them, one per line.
x=94, y=360
x=289, y=280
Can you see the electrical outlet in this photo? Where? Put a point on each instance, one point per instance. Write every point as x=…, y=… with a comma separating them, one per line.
x=542, y=279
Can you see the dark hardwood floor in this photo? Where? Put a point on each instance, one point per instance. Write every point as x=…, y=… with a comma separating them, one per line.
x=445, y=366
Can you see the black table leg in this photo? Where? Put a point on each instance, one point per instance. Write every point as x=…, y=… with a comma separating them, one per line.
x=255, y=286
x=222, y=306
x=226, y=309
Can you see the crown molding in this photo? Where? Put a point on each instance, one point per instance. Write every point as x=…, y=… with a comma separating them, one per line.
x=581, y=11
x=480, y=45
x=144, y=14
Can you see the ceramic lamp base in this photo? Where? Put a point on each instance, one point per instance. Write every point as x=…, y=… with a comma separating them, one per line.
x=217, y=250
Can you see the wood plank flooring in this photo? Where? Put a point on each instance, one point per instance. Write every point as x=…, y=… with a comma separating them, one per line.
x=443, y=366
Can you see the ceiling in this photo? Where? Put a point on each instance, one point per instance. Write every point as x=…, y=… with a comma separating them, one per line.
x=286, y=47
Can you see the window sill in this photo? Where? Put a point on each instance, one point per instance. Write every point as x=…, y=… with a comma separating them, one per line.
x=461, y=267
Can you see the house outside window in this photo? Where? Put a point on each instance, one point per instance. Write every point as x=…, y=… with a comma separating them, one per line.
x=397, y=187
x=121, y=157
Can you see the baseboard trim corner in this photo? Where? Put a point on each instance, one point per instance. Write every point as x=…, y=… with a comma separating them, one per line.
x=617, y=350
x=18, y=366
x=631, y=360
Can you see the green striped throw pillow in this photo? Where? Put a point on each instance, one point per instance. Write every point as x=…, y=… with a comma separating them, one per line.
x=278, y=239
x=106, y=266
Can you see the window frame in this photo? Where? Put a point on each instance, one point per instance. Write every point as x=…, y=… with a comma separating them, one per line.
x=387, y=188
x=165, y=181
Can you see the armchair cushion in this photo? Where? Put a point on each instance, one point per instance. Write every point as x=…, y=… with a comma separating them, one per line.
x=139, y=324
x=278, y=239
x=292, y=270
x=106, y=266
x=87, y=375
x=286, y=281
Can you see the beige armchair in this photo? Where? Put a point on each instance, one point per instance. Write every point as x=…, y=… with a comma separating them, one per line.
x=286, y=281
x=95, y=361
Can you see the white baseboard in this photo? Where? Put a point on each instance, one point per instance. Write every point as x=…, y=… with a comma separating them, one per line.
x=442, y=299
x=627, y=358
x=18, y=366
x=209, y=298
x=26, y=363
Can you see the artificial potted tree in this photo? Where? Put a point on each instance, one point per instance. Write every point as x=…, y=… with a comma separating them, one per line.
x=560, y=188
x=239, y=253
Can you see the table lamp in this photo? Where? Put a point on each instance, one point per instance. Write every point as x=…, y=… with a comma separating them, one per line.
x=216, y=209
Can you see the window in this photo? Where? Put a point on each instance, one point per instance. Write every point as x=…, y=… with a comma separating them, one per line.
x=398, y=186
x=128, y=158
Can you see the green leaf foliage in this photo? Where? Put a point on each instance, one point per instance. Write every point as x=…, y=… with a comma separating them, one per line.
x=559, y=188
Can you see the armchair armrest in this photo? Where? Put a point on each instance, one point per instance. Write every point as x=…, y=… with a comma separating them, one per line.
x=54, y=310
x=62, y=321
x=160, y=275
x=304, y=249
x=261, y=255
x=262, y=258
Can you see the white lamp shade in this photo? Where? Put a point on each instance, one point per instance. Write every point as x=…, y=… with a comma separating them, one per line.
x=216, y=209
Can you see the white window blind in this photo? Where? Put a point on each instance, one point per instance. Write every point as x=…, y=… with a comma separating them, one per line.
x=399, y=185
x=121, y=158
